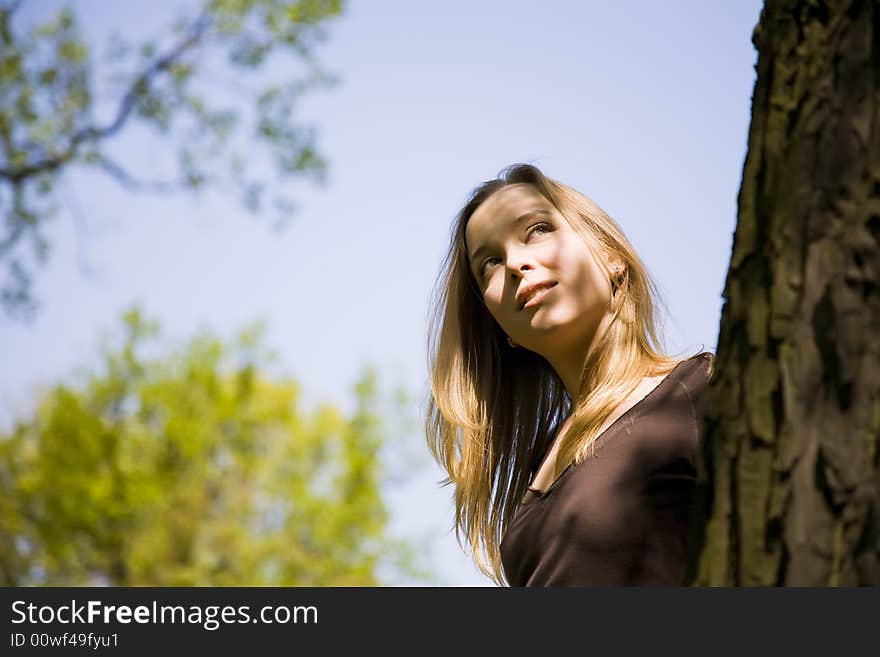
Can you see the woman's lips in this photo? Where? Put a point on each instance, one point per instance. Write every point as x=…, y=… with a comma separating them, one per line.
x=538, y=297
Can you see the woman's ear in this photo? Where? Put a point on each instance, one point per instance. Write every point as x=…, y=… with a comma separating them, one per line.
x=615, y=265
x=616, y=273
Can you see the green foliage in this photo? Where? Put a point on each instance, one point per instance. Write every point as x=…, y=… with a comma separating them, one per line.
x=220, y=90
x=195, y=468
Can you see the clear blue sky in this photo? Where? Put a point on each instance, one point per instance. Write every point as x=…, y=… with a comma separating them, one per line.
x=644, y=106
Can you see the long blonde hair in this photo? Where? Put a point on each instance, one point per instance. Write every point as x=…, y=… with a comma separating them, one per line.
x=494, y=410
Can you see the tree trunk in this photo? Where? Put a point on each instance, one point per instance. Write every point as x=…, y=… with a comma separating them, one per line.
x=790, y=479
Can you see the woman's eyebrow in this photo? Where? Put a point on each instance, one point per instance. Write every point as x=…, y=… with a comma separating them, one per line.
x=524, y=216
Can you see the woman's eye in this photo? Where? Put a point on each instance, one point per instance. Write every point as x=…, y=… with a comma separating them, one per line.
x=485, y=264
x=542, y=227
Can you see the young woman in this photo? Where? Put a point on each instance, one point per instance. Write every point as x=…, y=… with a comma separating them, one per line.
x=569, y=436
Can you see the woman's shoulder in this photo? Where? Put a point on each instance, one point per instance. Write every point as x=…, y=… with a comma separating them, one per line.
x=696, y=372
x=695, y=377
x=683, y=390
x=684, y=380
x=673, y=433
x=703, y=358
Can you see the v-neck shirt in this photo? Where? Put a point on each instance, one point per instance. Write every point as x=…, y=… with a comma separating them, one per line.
x=620, y=517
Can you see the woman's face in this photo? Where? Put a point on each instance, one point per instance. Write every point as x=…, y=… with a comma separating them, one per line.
x=517, y=239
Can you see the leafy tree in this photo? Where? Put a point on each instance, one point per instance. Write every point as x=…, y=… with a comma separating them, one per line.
x=206, y=90
x=196, y=468
x=792, y=449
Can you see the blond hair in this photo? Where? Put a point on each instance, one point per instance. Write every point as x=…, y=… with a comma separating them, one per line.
x=494, y=410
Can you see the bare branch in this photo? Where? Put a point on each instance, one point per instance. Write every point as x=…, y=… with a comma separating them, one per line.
x=133, y=184
x=81, y=231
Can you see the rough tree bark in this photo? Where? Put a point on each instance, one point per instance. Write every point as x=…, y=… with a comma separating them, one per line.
x=790, y=490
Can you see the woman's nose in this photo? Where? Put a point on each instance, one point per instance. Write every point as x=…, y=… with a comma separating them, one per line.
x=519, y=264
x=520, y=260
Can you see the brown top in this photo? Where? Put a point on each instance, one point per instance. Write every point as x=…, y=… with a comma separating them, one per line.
x=619, y=518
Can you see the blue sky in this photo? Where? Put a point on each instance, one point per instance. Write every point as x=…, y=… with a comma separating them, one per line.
x=644, y=106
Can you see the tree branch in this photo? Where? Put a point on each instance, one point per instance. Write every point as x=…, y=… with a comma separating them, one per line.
x=92, y=133
x=10, y=8
x=80, y=231
x=17, y=220
x=132, y=184
x=5, y=16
